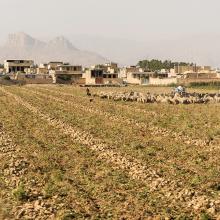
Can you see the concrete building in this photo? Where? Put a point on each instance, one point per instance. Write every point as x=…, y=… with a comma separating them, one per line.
x=112, y=67
x=33, y=78
x=69, y=68
x=53, y=65
x=161, y=75
x=139, y=78
x=172, y=73
x=180, y=69
x=199, y=75
x=94, y=76
x=108, y=67
x=162, y=81
x=42, y=69
x=204, y=69
x=2, y=69
x=131, y=69
x=97, y=76
x=13, y=66
x=66, y=73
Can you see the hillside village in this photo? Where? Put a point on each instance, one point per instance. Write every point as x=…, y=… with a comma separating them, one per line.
x=109, y=74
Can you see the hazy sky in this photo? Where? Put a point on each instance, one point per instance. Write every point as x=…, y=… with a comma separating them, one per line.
x=130, y=19
x=139, y=22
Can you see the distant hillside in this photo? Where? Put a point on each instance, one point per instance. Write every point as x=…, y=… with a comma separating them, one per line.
x=23, y=46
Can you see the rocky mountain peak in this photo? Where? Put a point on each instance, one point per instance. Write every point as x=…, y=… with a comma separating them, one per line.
x=21, y=40
x=23, y=46
x=61, y=42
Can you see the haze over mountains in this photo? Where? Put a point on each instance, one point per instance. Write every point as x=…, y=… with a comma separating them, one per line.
x=23, y=46
x=202, y=49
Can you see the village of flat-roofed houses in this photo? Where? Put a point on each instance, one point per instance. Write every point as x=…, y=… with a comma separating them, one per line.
x=109, y=74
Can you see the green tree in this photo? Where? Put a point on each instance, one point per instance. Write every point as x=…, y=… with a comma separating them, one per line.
x=156, y=65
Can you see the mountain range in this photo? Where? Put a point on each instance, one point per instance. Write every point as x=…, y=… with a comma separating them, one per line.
x=22, y=46
x=203, y=49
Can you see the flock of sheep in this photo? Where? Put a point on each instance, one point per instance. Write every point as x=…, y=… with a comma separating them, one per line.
x=171, y=98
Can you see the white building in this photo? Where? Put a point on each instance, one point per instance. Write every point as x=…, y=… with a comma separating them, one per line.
x=13, y=66
x=139, y=78
x=98, y=76
x=66, y=73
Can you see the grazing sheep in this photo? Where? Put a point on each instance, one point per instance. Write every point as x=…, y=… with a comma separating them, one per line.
x=172, y=98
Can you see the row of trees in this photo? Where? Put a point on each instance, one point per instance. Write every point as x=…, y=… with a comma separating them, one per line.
x=155, y=65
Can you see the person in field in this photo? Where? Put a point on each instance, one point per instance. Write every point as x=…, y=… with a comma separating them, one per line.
x=88, y=93
x=180, y=90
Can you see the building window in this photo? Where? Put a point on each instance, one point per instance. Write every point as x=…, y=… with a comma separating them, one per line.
x=96, y=73
x=93, y=75
x=100, y=74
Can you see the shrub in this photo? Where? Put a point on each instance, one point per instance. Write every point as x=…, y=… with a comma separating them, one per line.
x=21, y=82
x=65, y=77
x=50, y=189
x=6, y=77
x=20, y=194
x=69, y=216
x=205, y=216
x=172, y=85
x=204, y=84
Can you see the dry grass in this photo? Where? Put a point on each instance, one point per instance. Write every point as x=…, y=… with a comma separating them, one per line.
x=105, y=159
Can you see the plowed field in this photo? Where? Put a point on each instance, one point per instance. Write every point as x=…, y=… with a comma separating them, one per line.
x=64, y=155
